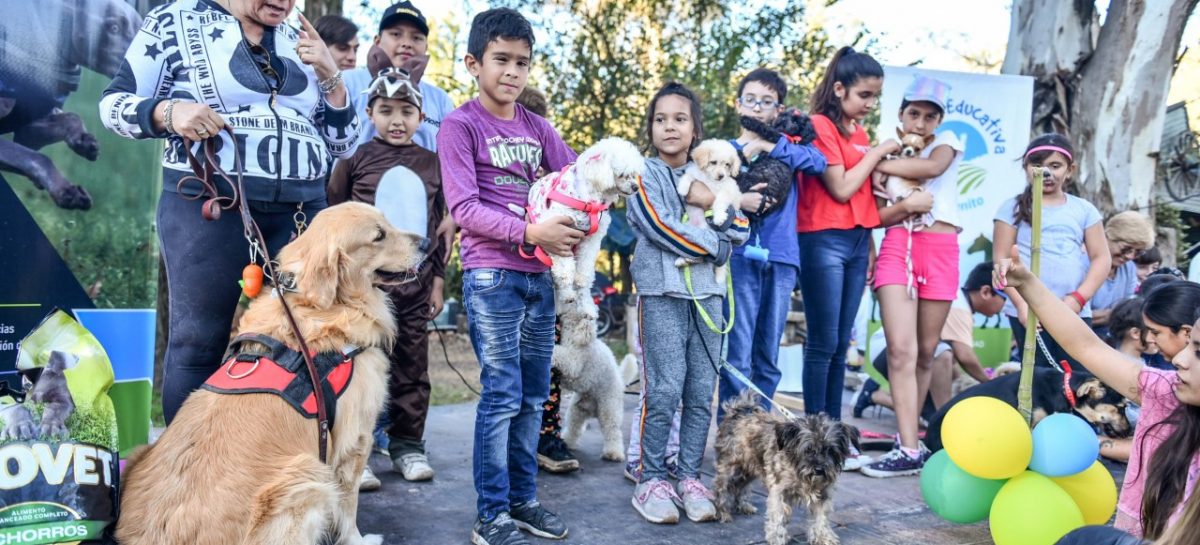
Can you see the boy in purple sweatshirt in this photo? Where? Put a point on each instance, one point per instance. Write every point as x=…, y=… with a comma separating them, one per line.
x=490, y=150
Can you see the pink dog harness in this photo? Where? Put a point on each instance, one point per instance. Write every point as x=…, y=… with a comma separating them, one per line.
x=593, y=209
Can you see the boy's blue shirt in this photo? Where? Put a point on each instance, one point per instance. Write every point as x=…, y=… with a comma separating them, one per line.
x=777, y=233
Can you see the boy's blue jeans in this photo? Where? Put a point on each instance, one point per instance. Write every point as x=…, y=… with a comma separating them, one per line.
x=762, y=291
x=511, y=317
x=833, y=275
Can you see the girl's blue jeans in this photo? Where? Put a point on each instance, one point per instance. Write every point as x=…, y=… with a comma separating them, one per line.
x=762, y=293
x=833, y=275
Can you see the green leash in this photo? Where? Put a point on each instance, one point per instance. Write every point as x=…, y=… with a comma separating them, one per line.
x=687, y=280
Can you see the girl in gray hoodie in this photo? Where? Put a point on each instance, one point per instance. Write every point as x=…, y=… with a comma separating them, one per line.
x=679, y=323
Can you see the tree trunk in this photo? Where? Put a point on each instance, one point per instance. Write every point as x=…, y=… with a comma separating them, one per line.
x=316, y=8
x=1119, y=117
x=1105, y=88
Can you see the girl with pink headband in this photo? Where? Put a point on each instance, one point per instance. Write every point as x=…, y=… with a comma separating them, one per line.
x=1068, y=223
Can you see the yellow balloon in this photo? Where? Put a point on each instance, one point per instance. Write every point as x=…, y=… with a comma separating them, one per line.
x=987, y=438
x=1094, y=491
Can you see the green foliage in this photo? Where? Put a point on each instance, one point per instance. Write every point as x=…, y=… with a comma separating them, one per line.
x=1169, y=219
x=112, y=248
x=604, y=60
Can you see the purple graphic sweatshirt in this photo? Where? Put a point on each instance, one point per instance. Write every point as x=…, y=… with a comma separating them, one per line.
x=488, y=164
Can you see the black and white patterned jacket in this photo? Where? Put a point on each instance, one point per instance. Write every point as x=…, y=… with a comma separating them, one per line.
x=194, y=50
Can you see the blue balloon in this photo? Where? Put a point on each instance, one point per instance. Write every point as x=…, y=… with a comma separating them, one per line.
x=1063, y=444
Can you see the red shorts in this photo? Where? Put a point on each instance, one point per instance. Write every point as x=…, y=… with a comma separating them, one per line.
x=934, y=263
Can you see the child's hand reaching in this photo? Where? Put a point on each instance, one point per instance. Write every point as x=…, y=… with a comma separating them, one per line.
x=557, y=236
x=887, y=147
x=1010, y=272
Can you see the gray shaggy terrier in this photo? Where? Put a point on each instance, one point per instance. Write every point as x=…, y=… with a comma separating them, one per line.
x=797, y=460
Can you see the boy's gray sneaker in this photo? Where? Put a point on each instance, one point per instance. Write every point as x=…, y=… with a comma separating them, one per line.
x=535, y=519
x=696, y=500
x=655, y=501
x=500, y=531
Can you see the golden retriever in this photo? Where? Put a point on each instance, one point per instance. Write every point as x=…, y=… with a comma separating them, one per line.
x=244, y=469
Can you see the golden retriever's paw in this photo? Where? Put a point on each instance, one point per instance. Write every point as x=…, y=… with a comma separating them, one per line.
x=371, y=539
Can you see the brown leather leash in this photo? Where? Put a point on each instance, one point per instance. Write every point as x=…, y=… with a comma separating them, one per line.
x=214, y=203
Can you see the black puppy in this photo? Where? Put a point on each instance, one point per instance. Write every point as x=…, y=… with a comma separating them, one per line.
x=777, y=176
x=1102, y=407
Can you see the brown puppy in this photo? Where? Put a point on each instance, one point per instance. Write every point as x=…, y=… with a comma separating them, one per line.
x=797, y=460
x=244, y=469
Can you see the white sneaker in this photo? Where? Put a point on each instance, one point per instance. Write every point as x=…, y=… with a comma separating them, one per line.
x=856, y=460
x=369, y=482
x=414, y=466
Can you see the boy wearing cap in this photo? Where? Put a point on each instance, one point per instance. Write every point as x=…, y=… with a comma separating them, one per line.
x=921, y=260
x=403, y=36
x=394, y=107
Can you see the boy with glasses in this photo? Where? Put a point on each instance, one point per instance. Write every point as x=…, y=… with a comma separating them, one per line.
x=766, y=267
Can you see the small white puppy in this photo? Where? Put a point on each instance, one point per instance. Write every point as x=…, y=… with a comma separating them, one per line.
x=606, y=171
x=715, y=164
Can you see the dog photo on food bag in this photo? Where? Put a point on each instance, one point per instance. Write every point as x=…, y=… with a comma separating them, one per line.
x=240, y=463
x=58, y=438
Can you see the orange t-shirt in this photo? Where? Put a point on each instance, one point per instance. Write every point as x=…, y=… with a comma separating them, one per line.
x=817, y=209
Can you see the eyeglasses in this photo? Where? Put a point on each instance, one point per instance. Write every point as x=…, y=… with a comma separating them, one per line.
x=1128, y=252
x=262, y=58
x=751, y=101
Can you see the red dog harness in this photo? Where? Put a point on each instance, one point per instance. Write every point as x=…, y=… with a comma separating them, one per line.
x=282, y=371
x=593, y=210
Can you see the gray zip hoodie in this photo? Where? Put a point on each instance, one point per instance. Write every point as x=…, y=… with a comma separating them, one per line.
x=656, y=214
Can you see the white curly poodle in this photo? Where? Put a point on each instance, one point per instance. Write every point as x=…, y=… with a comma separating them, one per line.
x=591, y=377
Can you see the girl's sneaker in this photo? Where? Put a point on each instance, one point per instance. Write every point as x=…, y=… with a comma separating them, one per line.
x=896, y=463
x=655, y=501
x=696, y=500
x=856, y=460
x=633, y=472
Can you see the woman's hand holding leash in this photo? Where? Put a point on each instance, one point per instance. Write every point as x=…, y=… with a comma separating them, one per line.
x=190, y=120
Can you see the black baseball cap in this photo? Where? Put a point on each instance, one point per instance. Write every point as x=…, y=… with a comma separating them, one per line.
x=403, y=11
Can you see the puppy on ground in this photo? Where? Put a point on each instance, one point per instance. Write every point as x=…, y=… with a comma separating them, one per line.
x=589, y=371
x=244, y=469
x=797, y=460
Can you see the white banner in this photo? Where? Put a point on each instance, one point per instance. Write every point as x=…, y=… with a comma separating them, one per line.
x=990, y=114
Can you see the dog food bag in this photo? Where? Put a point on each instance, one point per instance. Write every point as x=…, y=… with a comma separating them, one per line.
x=58, y=445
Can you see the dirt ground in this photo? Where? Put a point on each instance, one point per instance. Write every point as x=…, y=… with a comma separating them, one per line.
x=448, y=387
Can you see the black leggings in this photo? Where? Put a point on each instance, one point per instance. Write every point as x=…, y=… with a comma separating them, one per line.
x=204, y=262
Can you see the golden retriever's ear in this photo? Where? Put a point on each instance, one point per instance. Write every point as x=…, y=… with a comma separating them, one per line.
x=899, y=133
x=1092, y=388
x=319, y=275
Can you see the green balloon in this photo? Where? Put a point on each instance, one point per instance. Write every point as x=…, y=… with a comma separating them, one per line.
x=954, y=494
x=1032, y=510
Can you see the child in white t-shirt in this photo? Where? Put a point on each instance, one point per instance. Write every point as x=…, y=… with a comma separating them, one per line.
x=916, y=275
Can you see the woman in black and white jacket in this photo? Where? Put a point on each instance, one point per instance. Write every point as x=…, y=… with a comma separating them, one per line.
x=195, y=67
